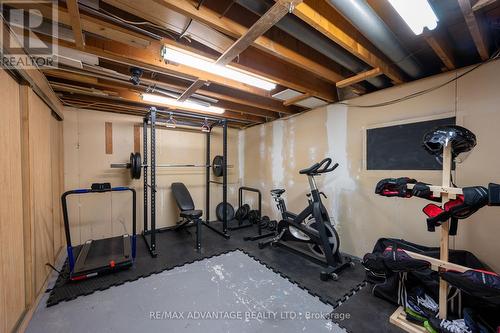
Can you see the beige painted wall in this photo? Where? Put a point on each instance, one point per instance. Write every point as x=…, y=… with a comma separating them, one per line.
x=104, y=215
x=274, y=152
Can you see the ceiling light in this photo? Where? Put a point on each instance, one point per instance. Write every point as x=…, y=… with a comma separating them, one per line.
x=171, y=122
x=418, y=14
x=209, y=66
x=185, y=105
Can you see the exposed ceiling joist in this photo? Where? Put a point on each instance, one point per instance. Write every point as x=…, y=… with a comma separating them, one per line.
x=169, y=84
x=34, y=77
x=482, y=3
x=441, y=47
x=264, y=23
x=112, y=88
x=474, y=29
x=128, y=109
x=275, y=70
x=191, y=89
x=236, y=30
x=130, y=97
x=76, y=23
x=93, y=25
x=359, y=77
x=337, y=35
x=149, y=58
x=296, y=99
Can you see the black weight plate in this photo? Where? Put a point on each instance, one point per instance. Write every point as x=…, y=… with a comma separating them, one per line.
x=272, y=225
x=135, y=165
x=264, y=222
x=242, y=212
x=219, y=211
x=217, y=167
x=254, y=216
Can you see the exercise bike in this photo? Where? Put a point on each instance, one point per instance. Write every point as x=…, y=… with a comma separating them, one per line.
x=312, y=226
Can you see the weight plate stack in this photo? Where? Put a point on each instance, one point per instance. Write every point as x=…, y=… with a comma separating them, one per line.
x=264, y=222
x=273, y=224
x=253, y=216
x=242, y=212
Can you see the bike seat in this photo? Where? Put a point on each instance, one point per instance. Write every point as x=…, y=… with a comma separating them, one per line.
x=278, y=191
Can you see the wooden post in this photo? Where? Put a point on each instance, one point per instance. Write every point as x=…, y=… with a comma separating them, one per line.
x=445, y=231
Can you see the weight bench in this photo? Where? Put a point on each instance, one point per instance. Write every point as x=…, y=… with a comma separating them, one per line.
x=190, y=216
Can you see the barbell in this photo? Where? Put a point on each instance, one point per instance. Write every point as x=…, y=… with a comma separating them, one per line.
x=135, y=165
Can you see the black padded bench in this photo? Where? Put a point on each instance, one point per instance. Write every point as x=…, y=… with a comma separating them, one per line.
x=189, y=214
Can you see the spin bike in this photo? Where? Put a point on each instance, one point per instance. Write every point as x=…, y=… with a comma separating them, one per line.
x=312, y=226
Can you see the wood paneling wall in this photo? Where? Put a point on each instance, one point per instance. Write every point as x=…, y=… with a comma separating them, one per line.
x=12, y=299
x=30, y=213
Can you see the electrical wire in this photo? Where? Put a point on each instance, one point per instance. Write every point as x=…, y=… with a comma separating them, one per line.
x=425, y=91
x=140, y=23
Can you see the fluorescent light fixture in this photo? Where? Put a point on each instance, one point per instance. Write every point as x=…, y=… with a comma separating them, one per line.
x=186, y=105
x=418, y=14
x=183, y=58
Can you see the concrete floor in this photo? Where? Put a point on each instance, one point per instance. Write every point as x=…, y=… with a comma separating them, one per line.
x=239, y=293
x=176, y=249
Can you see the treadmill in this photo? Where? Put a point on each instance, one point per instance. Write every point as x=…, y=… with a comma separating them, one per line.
x=101, y=256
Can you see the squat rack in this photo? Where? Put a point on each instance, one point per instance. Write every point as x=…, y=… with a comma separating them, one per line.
x=149, y=171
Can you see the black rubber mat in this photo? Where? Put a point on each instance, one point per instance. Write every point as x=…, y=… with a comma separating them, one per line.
x=231, y=283
x=360, y=311
x=177, y=248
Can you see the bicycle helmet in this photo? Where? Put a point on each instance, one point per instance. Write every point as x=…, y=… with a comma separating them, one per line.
x=461, y=139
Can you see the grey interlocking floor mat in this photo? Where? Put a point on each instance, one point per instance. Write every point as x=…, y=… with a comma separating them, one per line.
x=231, y=292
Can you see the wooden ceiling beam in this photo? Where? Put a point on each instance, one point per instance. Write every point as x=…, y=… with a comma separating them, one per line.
x=32, y=76
x=359, y=77
x=113, y=90
x=128, y=110
x=481, y=4
x=76, y=23
x=266, y=66
x=82, y=76
x=236, y=30
x=296, y=99
x=149, y=58
x=474, y=29
x=135, y=100
x=441, y=47
x=339, y=36
x=93, y=25
x=264, y=23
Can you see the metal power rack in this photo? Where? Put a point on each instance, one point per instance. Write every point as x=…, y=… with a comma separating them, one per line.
x=149, y=171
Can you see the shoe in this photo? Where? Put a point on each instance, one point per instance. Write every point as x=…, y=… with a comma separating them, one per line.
x=426, y=302
x=449, y=326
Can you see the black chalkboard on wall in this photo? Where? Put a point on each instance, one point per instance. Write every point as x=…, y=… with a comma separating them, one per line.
x=399, y=147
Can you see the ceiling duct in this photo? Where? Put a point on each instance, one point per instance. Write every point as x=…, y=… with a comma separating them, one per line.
x=295, y=27
x=366, y=20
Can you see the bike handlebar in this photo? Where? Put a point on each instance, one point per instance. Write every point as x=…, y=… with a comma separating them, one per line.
x=321, y=167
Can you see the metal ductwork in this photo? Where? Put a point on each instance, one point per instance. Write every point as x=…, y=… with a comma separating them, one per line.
x=293, y=26
x=366, y=20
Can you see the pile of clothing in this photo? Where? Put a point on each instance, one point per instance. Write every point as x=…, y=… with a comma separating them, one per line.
x=473, y=301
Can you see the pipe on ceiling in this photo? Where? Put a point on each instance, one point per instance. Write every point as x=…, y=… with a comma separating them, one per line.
x=366, y=20
x=294, y=27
